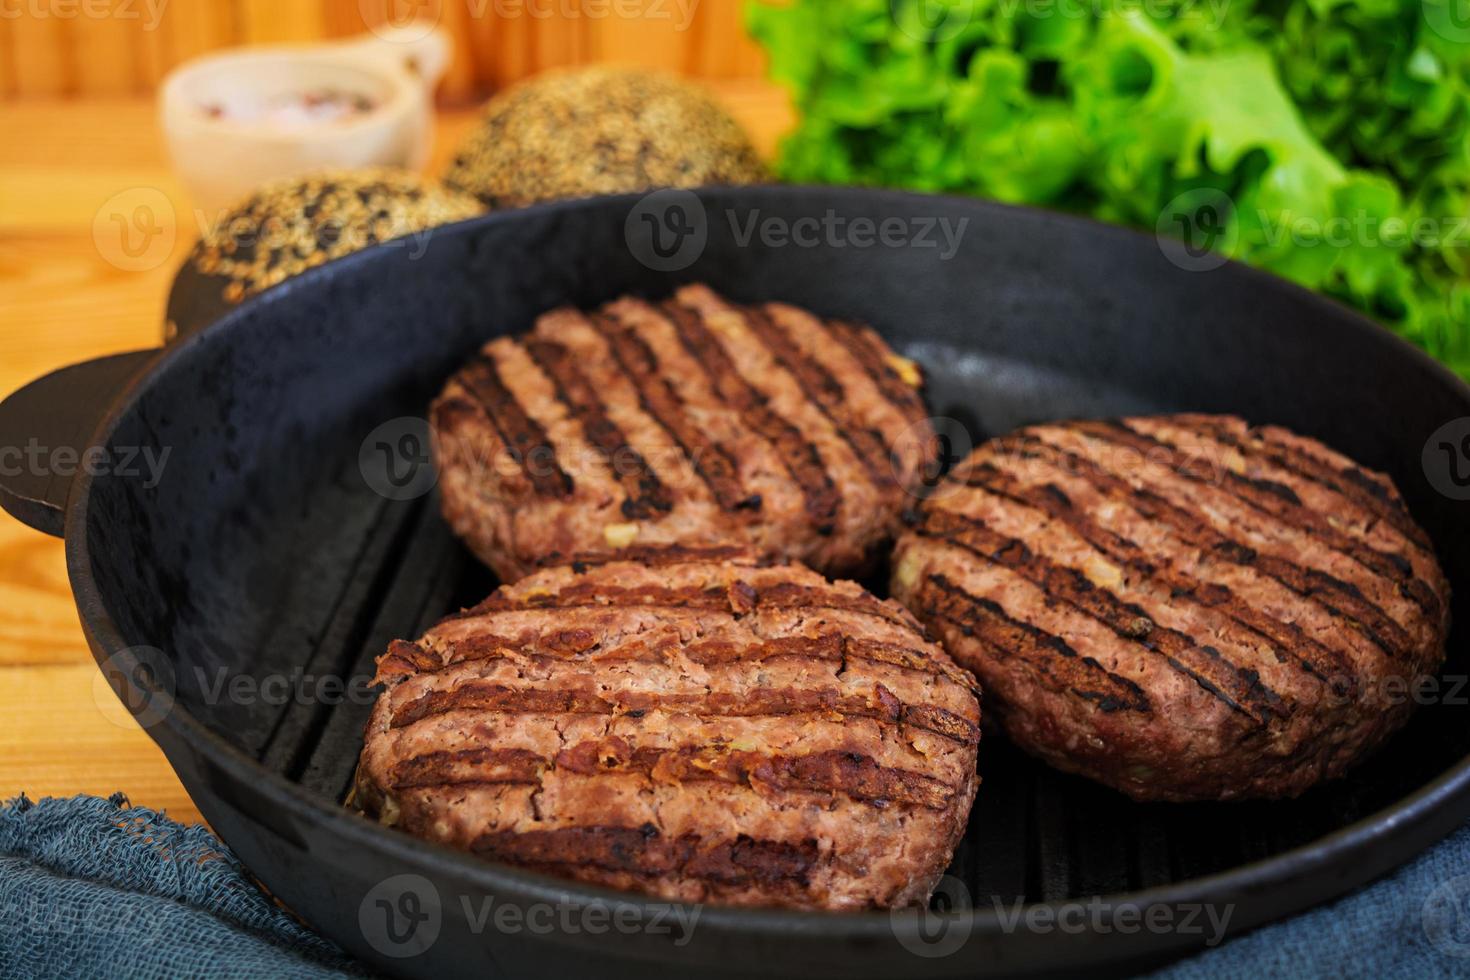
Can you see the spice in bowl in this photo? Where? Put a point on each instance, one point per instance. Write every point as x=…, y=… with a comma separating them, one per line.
x=294, y=110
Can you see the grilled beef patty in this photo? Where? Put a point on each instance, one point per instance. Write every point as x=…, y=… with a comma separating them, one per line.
x=691, y=725
x=693, y=422
x=1181, y=607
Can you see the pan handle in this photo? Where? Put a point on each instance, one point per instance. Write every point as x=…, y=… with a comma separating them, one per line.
x=44, y=431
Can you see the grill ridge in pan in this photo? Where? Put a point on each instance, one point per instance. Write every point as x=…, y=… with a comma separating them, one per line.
x=264, y=552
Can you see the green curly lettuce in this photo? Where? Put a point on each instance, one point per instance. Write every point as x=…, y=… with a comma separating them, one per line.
x=1326, y=140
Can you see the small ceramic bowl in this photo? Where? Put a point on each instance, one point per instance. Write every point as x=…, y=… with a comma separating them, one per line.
x=239, y=119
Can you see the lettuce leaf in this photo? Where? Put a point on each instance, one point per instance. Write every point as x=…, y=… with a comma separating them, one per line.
x=1325, y=140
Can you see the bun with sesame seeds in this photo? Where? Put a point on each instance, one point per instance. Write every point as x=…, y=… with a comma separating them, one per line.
x=296, y=224
x=600, y=130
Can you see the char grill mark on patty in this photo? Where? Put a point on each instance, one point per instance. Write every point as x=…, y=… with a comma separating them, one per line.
x=658, y=397
x=787, y=595
x=1048, y=654
x=646, y=495
x=824, y=391
x=657, y=555
x=737, y=600
x=799, y=454
x=868, y=350
x=881, y=706
x=1287, y=639
x=479, y=766
x=1338, y=599
x=645, y=853
x=832, y=647
x=405, y=658
x=522, y=435
x=1351, y=483
x=1239, y=688
x=852, y=773
x=1282, y=505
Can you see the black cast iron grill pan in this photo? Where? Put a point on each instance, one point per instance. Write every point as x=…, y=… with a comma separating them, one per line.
x=264, y=561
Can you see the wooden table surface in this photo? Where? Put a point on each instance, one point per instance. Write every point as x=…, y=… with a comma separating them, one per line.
x=67, y=296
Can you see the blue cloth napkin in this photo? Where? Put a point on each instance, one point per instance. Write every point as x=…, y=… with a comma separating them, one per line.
x=96, y=888
x=1411, y=925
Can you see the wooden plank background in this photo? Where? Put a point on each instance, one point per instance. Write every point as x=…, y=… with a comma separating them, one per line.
x=94, y=48
x=76, y=110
